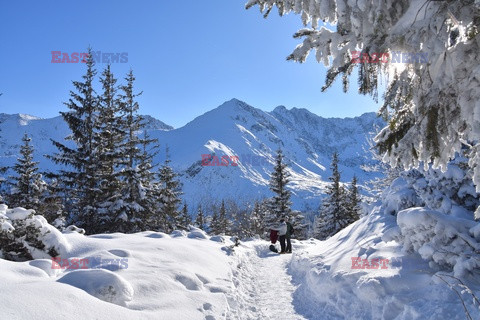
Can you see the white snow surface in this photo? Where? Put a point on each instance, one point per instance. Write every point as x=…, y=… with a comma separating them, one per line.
x=166, y=278
x=190, y=275
x=408, y=289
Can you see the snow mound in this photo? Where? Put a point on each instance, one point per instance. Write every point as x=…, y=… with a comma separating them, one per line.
x=102, y=284
x=196, y=233
x=146, y=275
x=327, y=280
x=445, y=241
x=51, y=237
x=156, y=235
x=46, y=266
x=218, y=239
x=178, y=233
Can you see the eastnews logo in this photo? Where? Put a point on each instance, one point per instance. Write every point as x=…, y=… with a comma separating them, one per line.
x=384, y=57
x=90, y=263
x=211, y=160
x=383, y=263
x=81, y=57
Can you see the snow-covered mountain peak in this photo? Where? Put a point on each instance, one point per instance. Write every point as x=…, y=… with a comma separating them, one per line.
x=19, y=119
x=234, y=129
x=280, y=109
x=152, y=123
x=234, y=107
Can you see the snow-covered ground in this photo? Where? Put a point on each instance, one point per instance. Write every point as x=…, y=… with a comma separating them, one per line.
x=263, y=286
x=189, y=275
x=320, y=281
x=406, y=289
x=155, y=276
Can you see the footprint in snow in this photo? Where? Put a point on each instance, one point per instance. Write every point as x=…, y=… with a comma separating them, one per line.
x=189, y=282
x=202, y=278
x=120, y=253
x=207, y=306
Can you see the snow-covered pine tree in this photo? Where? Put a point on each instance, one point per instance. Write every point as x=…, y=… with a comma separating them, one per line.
x=300, y=227
x=138, y=197
x=214, y=224
x=440, y=191
x=27, y=186
x=109, y=138
x=169, y=196
x=257, y=219
x=270, y=218
x=353, y=202
x=80, y=161
x=51, y=206
x=2, y=183
x=333, y=212
x=26, y=236
x=185, y=219
x=280, y=203
x=239, y=220
x=431, y=102
x=2, y=179
x=377, y=185
x=148, y=188
x=323, y=226
x=200, y=219
x=243, y=224
x=224, y=224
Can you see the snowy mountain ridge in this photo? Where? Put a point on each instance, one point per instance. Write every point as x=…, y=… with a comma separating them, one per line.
x=234, y=129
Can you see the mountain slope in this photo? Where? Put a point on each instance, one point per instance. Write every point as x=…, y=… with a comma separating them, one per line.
x=235, y=129
x=42, y=131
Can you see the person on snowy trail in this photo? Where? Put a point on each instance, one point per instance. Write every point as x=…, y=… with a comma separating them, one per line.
x=288, y=236
x=282, y=232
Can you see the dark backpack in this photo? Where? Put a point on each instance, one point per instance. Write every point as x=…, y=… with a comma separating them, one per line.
x=273, y=249
x=290, y=229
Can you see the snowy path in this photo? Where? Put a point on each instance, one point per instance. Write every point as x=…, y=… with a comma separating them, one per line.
x=264, y=289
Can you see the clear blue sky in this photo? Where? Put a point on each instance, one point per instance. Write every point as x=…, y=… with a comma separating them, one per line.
x=188, y=56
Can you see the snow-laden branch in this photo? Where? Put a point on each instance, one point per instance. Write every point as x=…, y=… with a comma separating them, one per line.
x=432, y=104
